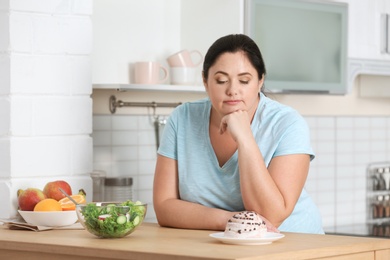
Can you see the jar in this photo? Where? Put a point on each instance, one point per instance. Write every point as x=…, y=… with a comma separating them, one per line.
x=118, y=189
x=98, y=185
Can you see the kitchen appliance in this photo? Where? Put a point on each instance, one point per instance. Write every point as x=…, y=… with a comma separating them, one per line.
x=378, y=205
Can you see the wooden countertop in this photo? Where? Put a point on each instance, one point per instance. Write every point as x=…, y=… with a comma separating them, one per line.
x=151, y=241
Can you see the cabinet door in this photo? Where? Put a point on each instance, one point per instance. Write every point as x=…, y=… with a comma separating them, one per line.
x=382, y=254
x=360, y=256
x=365, y=29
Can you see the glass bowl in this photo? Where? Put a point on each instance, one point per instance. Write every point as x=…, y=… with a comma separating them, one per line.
x=111, y=219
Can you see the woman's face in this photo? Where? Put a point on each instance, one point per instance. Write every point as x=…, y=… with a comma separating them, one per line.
x=233, y=84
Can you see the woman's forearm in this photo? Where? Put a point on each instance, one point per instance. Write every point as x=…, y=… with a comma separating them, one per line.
x=183, y=214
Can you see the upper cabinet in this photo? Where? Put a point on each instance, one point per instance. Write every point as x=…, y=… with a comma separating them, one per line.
x=303, y=43
x=368, y=29
x=128, y=31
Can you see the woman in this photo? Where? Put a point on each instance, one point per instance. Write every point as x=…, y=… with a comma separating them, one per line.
x=235, y=150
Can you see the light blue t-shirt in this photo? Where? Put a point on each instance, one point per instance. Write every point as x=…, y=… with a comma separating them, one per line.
x=278, y=130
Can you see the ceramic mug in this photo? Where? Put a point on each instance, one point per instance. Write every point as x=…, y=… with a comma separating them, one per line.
x=149, y=72
x=183, y=75
x=184, y=59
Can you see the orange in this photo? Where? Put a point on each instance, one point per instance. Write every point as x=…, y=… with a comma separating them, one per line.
x=48, y=205
x=67, y=204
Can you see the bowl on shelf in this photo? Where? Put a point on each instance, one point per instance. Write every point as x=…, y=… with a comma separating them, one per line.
x=49, y=218
x=111, y=219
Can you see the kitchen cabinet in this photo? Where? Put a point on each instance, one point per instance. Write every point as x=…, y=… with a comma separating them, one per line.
x=382, y=254
x=366, y=30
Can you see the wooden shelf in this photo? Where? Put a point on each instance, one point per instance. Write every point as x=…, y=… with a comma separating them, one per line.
x=140, y=87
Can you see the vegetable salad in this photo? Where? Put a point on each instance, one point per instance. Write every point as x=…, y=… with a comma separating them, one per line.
x=111, y=221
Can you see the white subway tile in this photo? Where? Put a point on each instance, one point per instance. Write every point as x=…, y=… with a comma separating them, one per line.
x=345, y=159
x=21, y=35
x=379, y=134
x=21, y=116
x=145, y=182
x=40, y=156
x=102, y=154
x=50, y=156
x=326, y=134
x=4, y=31
x=146, y=138
x=147, y=152
x=101, y=138
x=5, y=81
x=80, y=75
x=101, y=122
x=4, y=5
x=8, y=200
x=124, y=122
x=124, y=153
x=361, y=146
x=325, y=185
x=146, y=166
x=5, y=116
x=125, y=168
x=104, y=166
x=57, y=74
x=361, y=134
x=62, y=115
x=84, y=7
x=326, y=122
x=362, y=122
x=124, y=138
x=325, y=159
x=146, y=123
x=326, y=172
x=344, y=122
x=5, y=162
x=78, y=35
x=378, y=122
x=311, y=121
x=344, y=134
x=61, y=34
x=81, y=155
x=42, y=6
x=344, y=147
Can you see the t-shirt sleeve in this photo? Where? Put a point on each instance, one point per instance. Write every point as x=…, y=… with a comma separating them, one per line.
x=295, y=138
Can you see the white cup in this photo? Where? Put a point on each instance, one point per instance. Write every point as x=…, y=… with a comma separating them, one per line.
x=149, y=72
x=183, y=75
x=184, y=58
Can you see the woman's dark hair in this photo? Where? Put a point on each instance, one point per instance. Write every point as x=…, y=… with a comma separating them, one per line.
x=234, y=43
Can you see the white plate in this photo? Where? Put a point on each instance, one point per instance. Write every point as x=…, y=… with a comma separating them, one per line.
x=268, y=238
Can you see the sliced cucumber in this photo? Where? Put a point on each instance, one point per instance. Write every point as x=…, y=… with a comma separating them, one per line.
x=121, y=220
x=136, y=221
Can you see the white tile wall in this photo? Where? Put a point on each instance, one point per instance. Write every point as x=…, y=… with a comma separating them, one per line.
x=125, y=146
x=344, y=146
x=45, y=103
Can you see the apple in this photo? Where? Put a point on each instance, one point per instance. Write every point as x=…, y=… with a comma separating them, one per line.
x=52, y=191
x=27, y=199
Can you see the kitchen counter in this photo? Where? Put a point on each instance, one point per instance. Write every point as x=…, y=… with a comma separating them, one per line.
x=151, y=241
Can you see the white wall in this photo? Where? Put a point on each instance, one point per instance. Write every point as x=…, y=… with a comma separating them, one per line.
x=45, y=103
